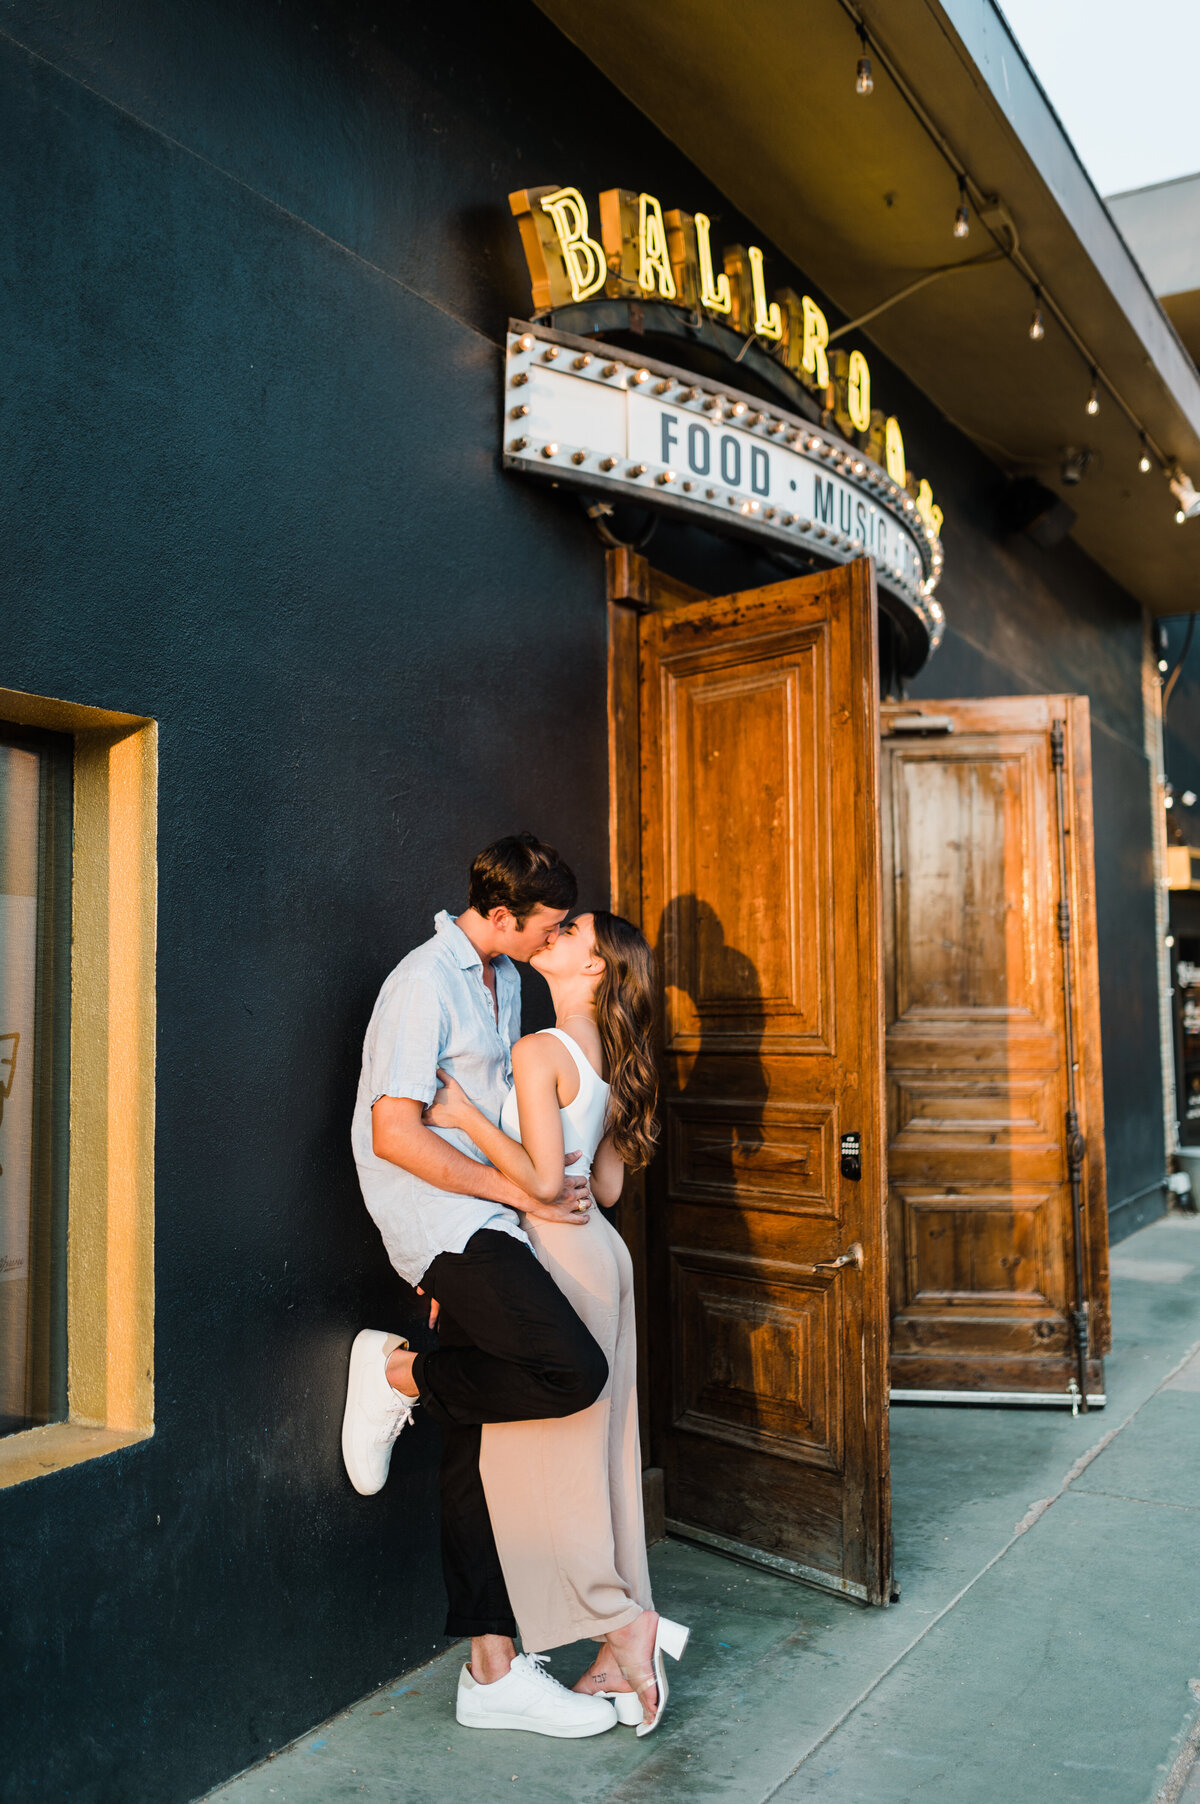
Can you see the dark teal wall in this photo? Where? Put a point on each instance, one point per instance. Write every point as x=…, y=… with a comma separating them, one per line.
x=255, y=268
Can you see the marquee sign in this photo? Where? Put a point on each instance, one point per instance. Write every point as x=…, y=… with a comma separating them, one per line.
x=581, y=414
x=610, y=419
x=644, y=253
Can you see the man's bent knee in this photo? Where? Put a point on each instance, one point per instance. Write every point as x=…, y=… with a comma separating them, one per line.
x=579, y=1381
x=593, y=1375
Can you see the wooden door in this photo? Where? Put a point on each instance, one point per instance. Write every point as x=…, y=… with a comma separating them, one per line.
x=981, y=1218
x=766, y=1262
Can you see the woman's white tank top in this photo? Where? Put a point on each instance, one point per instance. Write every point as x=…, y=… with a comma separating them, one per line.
x=582, y=1119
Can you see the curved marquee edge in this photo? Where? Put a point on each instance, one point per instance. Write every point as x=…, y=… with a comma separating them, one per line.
x=580, y=413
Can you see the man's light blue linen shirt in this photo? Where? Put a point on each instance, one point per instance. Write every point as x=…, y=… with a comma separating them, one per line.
x=435, y=1009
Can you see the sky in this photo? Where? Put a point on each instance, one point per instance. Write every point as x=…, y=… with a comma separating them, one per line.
x=1129, y=98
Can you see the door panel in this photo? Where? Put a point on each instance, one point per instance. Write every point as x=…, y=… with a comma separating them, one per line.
x=981, y=1219
x=760, y=891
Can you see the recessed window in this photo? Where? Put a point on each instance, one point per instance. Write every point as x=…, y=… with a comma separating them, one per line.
x=78, y=884
x=35, y=995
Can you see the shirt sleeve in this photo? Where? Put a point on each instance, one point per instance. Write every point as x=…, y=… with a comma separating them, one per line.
x=407, y=1041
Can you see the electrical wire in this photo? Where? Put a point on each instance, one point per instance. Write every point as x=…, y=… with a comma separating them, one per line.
x=946, y=269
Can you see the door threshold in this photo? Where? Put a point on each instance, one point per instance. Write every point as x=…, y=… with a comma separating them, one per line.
x=767, y=1562
x=1027, y=1399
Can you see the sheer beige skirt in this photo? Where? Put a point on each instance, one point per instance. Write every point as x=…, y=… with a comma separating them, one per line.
x=565, y=1497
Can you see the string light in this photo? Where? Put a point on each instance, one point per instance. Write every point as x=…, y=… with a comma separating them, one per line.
x=1037, y=325
x=864, y=84
x=864, y=81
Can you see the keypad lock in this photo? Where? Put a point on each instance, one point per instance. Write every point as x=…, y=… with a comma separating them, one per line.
x=852, y=1156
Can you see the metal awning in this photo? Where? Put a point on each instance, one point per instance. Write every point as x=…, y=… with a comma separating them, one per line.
x=762, y=98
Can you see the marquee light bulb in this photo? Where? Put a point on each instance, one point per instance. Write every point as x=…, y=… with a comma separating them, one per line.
x=1144, y=459
x=864, y=81
x=962, y=217
x=1180, y=517
x=1037, y=325
x=1093, y=400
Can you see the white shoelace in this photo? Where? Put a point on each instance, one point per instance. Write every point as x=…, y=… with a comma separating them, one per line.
x=398, y=1417
x=536, y=1665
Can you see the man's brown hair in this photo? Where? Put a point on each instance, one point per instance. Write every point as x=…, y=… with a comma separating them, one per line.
x=517, y=873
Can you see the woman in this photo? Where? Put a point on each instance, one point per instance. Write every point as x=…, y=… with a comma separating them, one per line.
x=565, y=1496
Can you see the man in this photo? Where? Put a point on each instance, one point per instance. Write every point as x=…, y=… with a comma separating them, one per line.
x=511, y=1348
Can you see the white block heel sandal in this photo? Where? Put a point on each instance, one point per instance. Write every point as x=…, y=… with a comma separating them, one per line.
x=628, y=1706
x=669, y=1638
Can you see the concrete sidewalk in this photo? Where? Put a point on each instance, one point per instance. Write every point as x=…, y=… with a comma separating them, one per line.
x=1042, y=1650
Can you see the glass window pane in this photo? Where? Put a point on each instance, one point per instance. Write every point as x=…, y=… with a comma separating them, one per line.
x=35, y=770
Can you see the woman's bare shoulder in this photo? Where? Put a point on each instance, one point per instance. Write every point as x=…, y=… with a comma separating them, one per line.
x=537, y=1052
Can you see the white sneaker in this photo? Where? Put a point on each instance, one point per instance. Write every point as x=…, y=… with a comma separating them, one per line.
x=528, y=1698
x=375, y=1413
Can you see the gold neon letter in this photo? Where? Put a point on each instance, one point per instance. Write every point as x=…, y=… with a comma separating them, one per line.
x=816, y=337
x=893, y=445
x=654, y=262
x=681, y=248
x=793, y=330
x=858, y=392
x=928, y=509
x=715, y=292
x=768, y=321
x=583, y=257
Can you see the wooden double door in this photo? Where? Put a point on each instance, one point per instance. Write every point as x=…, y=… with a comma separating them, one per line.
x=750, y=815
x=989, y=929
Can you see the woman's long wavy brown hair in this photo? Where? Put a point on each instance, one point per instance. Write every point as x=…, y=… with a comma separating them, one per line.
x=625, y=1017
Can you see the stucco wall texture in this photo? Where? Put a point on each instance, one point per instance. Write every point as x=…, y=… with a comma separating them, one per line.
x=257, y=265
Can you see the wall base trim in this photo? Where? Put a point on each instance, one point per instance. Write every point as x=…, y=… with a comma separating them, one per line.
x=1136, y=1211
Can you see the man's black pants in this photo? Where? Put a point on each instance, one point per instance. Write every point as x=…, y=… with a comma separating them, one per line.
x=511, y=1349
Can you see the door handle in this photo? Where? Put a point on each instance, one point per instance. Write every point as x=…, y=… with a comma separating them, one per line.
x=852, y=1256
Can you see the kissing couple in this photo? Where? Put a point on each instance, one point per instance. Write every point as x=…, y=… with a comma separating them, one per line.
x=480, y=1154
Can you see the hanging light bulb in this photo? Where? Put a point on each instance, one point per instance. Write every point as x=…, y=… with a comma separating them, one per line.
x=864, y=81
x=1093, y=400
x=962, y=218
x=1037, y=325
x=1144, y=459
